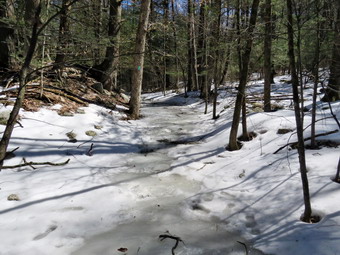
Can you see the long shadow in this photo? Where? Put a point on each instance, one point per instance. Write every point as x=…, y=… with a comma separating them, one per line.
x=177, y=100
x=78, y=192
x=315, y=236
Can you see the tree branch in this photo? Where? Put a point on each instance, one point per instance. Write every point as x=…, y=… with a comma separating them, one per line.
x=306, y=139
x=31, y=164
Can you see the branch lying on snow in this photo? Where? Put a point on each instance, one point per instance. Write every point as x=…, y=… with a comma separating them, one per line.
x=245, y=247
x=31, y=164
x=178, y=239
x=306, y=139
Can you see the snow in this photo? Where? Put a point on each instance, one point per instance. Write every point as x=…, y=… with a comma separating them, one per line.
x=168, y=173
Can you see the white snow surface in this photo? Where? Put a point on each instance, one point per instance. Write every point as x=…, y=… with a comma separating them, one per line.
x=169, y=173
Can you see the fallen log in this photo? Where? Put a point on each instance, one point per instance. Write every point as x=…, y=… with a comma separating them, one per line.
x=306, y=139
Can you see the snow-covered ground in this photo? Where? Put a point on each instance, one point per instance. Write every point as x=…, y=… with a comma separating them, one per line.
x=168, y=173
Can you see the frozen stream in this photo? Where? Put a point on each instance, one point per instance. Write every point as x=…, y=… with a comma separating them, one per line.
x=163, y=206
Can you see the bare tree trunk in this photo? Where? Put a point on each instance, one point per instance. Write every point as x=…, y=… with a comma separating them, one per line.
x=267, y=55
x=316, y=76
x=37, y=28
x=217, y=7
x=21, y=94
x=175, y=42
x=6, y=34
x=298, y=11
x=233, y=145
x=201, y=48
x=137, y=74
x=190, y=49
x=166, y=44
x=295, y=83
x=108, y=69
x=333, y=89
x=245, y=135
x=30, y=10
x=192, y=60
x=63, y=41
x=97, y=6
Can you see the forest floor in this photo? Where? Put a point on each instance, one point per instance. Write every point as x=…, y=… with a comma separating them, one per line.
x=143, y=186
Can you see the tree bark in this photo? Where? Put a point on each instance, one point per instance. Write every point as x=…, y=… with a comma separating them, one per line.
x=30, y=10
x=316, y=76
x=137, y=73
x=109, y=67
x=201, y=49
x=216, y=7
x=97, y=23
x=37, y=28
x=166, y=60
x=63, y=41
x=22, y=87
x=175, y=42
x=233, y=145
x=192, y=52
x=333, y=89
x=267, y=56
x=190, y=49
x=6, y=35
x=299, y=128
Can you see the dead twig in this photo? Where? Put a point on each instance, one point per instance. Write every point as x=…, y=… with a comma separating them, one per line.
x=31, y=164
x=178, y=239
x=306, y=139
x=245, y=246
x=90, y=151
x=28, y=164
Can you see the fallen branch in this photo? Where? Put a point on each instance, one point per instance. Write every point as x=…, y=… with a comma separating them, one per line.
x=306, y=139
x=31, y=164
x=63, y=94
x=90, y=151
x=178, y=239
x=245, y=247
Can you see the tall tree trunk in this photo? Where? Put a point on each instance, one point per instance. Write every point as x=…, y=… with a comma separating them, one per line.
x=233, y=145
x=301, y=148
x=192, y=58
x=298, y=12
x=166, y=60
x=201, y=48
x=97, y=10
x=175, y=42
x=109, y=67
x=216, y=7
x=37, y=28
x=30, y=10
x=6, y=34
x=64, y=33
x=22, y=86
x=333, y=89
x=316, y=76
x=137, y=73
x=190, y=48
x=267, y=55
